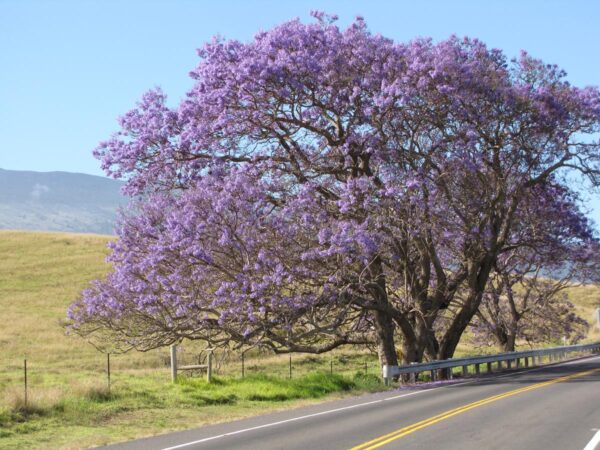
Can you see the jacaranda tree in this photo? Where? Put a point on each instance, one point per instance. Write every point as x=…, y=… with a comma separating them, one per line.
x=526, y=298
x=320, y=187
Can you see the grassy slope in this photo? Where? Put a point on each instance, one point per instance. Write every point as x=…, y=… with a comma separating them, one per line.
x=586, y=299
x=40, y=274
x=69, y=406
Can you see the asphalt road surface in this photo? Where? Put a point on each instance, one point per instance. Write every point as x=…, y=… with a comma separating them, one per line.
x=552, y=407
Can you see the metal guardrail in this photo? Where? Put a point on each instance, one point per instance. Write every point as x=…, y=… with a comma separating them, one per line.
x=553, y=353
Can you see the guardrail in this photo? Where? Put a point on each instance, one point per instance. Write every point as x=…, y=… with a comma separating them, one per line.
x=518, y=358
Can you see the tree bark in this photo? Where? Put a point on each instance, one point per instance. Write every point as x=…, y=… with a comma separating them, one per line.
x=509, y=344
x=477, y=284
x=383, y=320
x=386, y=348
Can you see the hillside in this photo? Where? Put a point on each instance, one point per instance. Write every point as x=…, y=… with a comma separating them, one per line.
x=58, y=201
x=40, y=275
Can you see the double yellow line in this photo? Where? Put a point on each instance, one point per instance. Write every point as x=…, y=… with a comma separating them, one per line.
x=387, y=438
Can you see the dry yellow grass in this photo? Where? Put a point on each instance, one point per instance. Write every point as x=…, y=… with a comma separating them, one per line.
x=40, y=275
x=586, y=299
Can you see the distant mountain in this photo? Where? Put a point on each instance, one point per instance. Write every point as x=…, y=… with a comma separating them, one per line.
x=58, y=201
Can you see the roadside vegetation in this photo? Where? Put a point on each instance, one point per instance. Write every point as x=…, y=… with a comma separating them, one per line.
x=69, y=404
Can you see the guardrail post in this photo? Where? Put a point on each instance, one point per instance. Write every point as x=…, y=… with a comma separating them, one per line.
x=386, y=374
x=489, y=367
x=433, y=377
x=509, y=364
x=465, y=371
x=477, y=369
x=527, y=361
x=413, y=377
x=517, y=363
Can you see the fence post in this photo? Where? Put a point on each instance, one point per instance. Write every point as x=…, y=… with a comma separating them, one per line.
x=477, y=369
x=173, y=363
x=489, y=367
x=25, y=379
x=108, y=371
x=243, y=364
x=465, y=371
x=290, y=366
x=209, y=366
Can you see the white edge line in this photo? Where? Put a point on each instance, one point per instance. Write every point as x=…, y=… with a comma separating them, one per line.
x=307, y=416
x=594, y=442
x=590, y=446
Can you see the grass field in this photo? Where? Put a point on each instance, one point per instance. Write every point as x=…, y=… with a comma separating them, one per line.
x=69, y=404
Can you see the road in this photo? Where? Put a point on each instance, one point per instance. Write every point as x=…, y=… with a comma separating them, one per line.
x=552, y=407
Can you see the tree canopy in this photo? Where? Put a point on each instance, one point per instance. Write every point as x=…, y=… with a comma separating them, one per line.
x=321, y=186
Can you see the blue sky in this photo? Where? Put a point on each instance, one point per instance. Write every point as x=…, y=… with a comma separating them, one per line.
x=68, y=69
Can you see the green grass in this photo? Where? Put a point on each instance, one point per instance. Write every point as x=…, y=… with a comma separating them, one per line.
x=69, y=405
x=139, y=406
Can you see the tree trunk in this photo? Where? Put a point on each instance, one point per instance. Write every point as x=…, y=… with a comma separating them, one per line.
x=384, y=323
x=428, y=345
x=477, y=283
x=386, y=348
x=509, y=344
x=501, y=336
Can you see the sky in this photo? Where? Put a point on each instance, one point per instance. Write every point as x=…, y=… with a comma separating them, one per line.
x=68, y=69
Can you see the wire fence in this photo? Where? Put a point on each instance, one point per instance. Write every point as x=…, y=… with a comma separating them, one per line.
x=22, y=380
